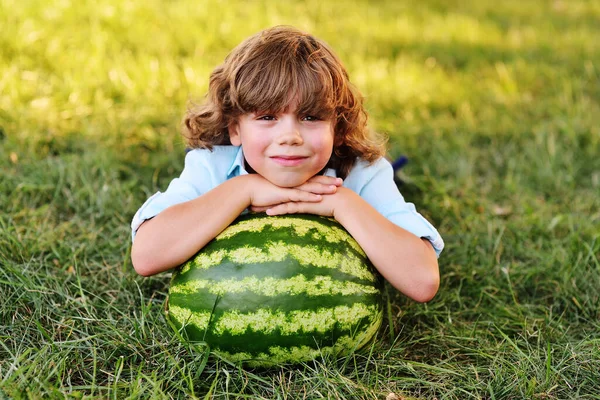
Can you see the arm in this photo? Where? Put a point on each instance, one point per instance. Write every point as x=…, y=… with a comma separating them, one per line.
x=408, y=262
x=178, y=232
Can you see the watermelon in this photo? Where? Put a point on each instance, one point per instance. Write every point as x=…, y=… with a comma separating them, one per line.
x=271, y=290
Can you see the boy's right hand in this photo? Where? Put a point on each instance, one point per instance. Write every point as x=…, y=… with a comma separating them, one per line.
x=321, y=184
x=264, y=194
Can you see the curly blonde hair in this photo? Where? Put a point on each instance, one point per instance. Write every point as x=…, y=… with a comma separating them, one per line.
x=268, y=71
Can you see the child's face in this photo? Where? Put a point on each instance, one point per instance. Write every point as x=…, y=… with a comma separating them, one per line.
x=287, y=149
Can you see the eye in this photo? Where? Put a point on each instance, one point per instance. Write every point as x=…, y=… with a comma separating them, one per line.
x=266, y=117
x=311, y=118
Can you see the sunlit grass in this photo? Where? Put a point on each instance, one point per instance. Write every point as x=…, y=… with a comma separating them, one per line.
x=496, y=104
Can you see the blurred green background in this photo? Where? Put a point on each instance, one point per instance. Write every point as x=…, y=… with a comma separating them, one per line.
x=496, y=104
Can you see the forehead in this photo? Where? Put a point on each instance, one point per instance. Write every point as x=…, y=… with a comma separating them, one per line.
x=287, y=81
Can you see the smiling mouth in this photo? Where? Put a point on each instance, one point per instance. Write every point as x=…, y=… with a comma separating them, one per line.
x=289, y=161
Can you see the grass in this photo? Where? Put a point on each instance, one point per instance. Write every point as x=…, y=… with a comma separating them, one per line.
x=495, y=103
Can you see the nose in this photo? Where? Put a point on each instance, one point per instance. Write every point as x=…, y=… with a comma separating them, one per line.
x=290, y=133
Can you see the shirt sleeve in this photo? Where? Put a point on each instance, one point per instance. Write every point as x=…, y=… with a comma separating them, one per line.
x=381, y=192
x=195, y=180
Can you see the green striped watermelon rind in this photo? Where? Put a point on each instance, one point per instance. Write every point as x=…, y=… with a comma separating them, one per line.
x=339, y=327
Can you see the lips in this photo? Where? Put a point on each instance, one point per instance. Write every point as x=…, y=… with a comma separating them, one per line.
x=289, y=161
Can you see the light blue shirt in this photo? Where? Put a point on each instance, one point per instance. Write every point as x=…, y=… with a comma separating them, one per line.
x=205, y=170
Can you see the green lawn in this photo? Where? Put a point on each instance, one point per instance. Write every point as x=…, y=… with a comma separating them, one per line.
x=496, y=104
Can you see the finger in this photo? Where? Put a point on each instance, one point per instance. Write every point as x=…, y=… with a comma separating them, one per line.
x=318, y=188
x=301, y=195
x=259, y=209
x=287, y=208
x=326, y=180
x=300, y=207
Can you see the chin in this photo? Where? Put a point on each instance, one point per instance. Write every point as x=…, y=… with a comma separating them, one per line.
x=287, y=182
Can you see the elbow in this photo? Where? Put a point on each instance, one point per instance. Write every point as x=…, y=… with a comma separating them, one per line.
x=428, y=283
x=427, y=290
x=143, y=258
x=421, y=289
x=425, y=287
x=142, y=264
x=143, y=270
x=147, y=263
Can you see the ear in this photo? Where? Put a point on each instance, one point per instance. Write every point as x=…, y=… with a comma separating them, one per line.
x=234, y=134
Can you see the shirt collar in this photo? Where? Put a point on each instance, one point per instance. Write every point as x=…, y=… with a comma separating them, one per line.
x=237, y=167
x=330, y=172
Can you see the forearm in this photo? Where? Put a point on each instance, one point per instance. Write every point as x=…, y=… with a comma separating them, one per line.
x=177, y=233
x=405, y=260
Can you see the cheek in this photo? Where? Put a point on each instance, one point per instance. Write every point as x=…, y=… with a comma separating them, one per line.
x=251, y=141
x=254, y=150
x=255, y=146
x=323, y=143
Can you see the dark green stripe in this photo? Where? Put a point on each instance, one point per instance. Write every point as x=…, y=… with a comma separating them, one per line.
x=256, y=342
x=271, y=234
x=248, y=302
x=278, y=269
